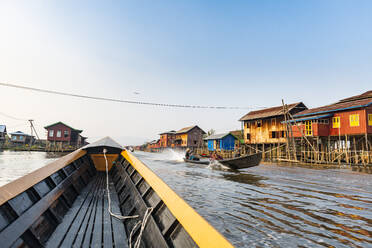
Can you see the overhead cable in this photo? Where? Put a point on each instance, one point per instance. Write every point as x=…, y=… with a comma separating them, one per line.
x=118, y=100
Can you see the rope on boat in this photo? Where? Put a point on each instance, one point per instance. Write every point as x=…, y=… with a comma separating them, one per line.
x=118, y=216
x=143, y=225
x=121, y=217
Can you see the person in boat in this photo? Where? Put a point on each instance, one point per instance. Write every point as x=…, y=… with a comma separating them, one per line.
x=190, y=155
x=187, y=154
x=216, y=156
x=237, y=154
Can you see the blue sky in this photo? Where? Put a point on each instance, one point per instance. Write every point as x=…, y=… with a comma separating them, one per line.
x=230, y=53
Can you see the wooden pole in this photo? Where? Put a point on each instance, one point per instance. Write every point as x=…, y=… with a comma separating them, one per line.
x=286, y=125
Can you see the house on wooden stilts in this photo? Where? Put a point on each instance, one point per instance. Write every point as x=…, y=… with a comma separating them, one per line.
x=264, y=129
x=340, y=132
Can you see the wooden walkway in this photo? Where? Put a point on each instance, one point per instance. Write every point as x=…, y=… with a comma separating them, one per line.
x=88, y=222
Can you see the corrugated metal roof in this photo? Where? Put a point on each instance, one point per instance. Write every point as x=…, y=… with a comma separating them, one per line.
x=339, y=106
x=269, y=112
x=169, y=132
x=367, y=94
x=310, y=118
x=216, y=136
x=2, y=128
x=20, y=133
x=188, y=129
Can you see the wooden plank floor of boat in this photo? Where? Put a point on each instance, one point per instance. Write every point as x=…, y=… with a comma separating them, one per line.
x=88, y=222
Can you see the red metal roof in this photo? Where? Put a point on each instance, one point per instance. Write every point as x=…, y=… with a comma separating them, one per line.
x=269, y=112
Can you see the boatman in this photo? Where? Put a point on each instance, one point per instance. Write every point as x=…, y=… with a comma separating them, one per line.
x=187, y=155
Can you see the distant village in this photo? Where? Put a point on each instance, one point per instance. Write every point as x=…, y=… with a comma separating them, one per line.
x=338, y=133
x=60, y=138
x=333, y=134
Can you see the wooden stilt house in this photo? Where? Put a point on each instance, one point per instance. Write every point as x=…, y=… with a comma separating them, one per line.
x=266, y=126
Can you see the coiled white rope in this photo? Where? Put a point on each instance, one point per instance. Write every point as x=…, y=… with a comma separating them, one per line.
x=143, y=225
x=120, y=217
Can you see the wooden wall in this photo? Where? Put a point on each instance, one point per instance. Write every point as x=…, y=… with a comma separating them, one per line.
x=259, y=135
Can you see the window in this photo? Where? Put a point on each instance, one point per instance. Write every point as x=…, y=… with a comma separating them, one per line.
x=323, y=121
x=51, y=133
x=59, y=133
x=273, y=122
x=354, y=120
x=336, y=122
x=309, y=128
x=369, y=119
x=14, y=138
x=274, y=135
x=248, y=136
x=21, y=137
x=259, y=123
x=247, y=124
x=194, y=142
x=283, y=134
x=65, y=133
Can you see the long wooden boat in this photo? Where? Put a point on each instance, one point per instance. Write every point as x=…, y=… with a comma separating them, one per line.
x=243, y=162
x=65, y=204
x=196, y=161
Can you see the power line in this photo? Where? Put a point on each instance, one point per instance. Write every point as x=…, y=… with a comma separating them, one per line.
x=12, y=117
x=118, y=100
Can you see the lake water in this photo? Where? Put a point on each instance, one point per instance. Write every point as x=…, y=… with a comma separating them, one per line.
x=17, y=164
x=264, y=206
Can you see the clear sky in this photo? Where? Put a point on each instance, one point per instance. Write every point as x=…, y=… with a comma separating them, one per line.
x=229, y=53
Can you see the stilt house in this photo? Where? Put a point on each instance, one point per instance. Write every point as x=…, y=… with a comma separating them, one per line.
x=345, y=120
x=167, y=139
x=189, y=137
x=64, y=135
x=266, y=126
x=3, y=135
x=224, y=141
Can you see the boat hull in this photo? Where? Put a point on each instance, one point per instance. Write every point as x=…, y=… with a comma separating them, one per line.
x=196, y=161
x=243, y=162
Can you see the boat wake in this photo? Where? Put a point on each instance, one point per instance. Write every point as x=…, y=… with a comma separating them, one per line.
x=170, y=155
x=215, y=165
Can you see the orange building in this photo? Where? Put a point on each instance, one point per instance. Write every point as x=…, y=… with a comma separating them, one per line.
x=167, y=139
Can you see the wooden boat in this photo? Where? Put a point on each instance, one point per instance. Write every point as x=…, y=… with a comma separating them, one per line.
x=196, y=161
x=65, y=204
x=243, y=162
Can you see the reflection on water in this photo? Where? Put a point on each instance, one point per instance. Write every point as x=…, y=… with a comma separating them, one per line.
x=275, y=206
x=244, y=178
x=17, y=164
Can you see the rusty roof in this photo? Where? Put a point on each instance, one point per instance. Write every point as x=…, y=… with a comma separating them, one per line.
x=365, y=95
x=188, y=129
x=269, y=112
x=359, y=101
x=169, y=132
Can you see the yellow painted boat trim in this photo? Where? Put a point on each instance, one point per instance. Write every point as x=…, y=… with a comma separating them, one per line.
x=203, y=234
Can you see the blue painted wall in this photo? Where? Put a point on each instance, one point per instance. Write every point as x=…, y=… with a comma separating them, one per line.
x=210, y=145
x=226, y=143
